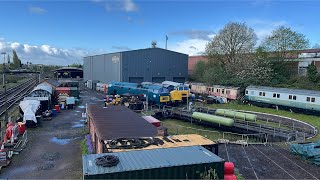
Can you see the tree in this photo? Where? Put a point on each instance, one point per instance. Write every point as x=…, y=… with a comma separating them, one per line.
x=199, y=70
x=234, y=40
x=312, y=72
x=16, y=60
x=284, y=40
x=8, y=59
x=316, y=46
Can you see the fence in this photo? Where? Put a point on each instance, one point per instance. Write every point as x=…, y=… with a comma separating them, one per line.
x=222, y=137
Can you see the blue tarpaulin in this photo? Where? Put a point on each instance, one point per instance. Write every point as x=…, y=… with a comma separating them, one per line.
x=309, y=151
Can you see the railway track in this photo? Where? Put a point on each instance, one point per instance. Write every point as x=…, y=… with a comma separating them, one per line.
x=267, y=162
x=274, y=130
x=16, y=93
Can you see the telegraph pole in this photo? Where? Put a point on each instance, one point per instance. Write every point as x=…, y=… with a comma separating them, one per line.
x=5, y=88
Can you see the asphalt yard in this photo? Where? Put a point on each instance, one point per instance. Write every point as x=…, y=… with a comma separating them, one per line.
x=53, y=150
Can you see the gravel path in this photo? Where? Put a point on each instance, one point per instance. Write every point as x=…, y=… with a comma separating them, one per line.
x=53, y=150
x=268, y=162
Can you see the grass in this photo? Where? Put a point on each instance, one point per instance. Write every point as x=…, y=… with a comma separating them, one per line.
x=9, y=85
x=84, y=147
x=313, y=120
x=181, y=127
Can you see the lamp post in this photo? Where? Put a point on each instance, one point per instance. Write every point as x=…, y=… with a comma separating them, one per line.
x=4, y=64
x=5, y=88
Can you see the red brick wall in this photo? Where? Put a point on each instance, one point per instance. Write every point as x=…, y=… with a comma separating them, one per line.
x=192, y=61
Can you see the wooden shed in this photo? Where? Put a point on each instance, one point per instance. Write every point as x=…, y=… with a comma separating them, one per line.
x=114, y=122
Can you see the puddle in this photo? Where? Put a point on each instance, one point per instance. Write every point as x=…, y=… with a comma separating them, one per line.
x=18, y=170
x=60, y=141
x=81, y=107
x=77, y=125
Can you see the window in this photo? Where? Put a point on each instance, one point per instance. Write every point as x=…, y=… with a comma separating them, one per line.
x=222, y=91
x=246, y=92
x=180, y=88
x=290, y=96
x=274, y=95
x=208, y=89
x=313, y=99
x=228, y=91
x=260, y=93
x=263, y=94
x=308, y=99
x=278, y=95
x=218, y=90
x=294, y=98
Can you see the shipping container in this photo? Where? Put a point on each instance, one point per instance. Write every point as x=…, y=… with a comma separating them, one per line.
x=152, y=121
x=191, y=162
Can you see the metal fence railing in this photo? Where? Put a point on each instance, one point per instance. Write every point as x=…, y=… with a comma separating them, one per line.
x=221, y=137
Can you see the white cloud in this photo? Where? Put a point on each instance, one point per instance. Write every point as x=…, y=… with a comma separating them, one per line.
x=121, y=5
x=37, y=10
x=46, y=54
x=191, y=47
x=129, y=6
x=263, y=28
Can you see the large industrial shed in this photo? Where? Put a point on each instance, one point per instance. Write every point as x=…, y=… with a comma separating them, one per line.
x=151, y=64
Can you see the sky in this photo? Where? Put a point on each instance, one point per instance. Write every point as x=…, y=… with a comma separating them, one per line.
x=63, y=32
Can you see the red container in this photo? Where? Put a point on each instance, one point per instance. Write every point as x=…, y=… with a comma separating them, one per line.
x=228, y=168
x=21, y=128
x=230, y=177
x=9, y=130
x=57, y=107
x=152, y=121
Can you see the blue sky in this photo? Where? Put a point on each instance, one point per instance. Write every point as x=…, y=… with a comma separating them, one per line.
x=62, y=32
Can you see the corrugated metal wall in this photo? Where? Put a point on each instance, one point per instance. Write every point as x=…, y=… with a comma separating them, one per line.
x=105, y=67
x=154, y=64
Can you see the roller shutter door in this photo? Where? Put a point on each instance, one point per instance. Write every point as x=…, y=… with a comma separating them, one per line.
x=136, y=79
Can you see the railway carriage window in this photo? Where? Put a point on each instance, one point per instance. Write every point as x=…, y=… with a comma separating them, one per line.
x=308, y=99
x=228, y=91
x=263, y=94
x=218, y=90
x=290, y=96
x=294, y=97
x=313, y=99
x=222, y=91
x=247, y=92
x=260, y=94
x=278, y=95
x=274, y=95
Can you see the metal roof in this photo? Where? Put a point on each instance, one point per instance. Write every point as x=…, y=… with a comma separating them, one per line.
x=44, y=87
x=285, y=90
x=150, y=159
x=68, y=68
x=53, y=82
x=113, y=122
x=139, y=50
x=171, y=83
